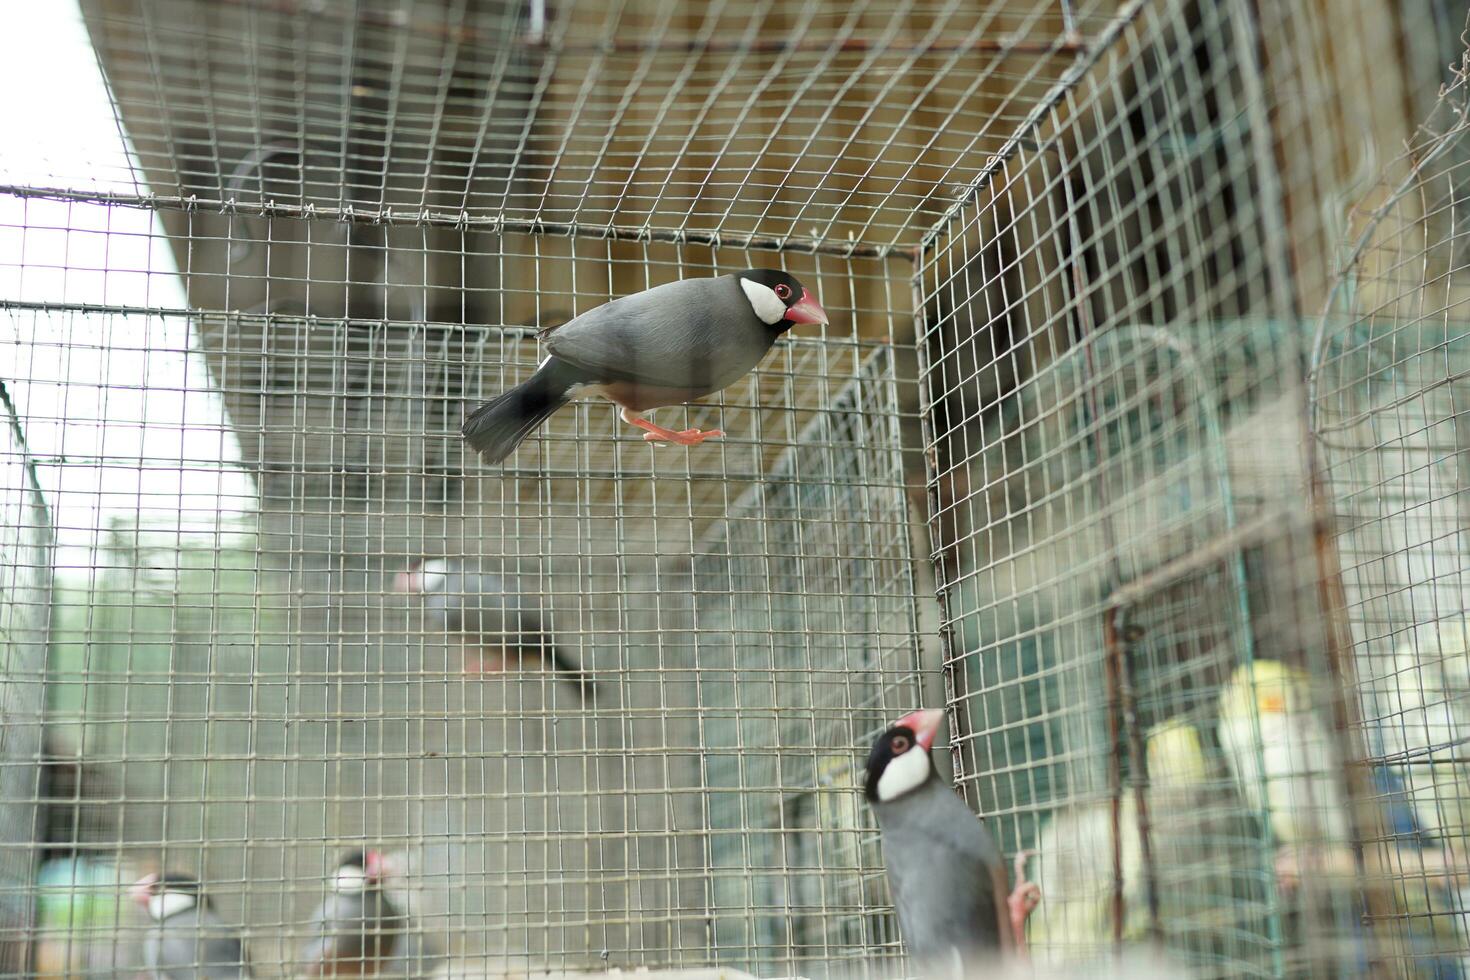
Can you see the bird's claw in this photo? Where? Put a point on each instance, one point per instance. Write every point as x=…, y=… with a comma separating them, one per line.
x=1024, y=898
x=683, y=437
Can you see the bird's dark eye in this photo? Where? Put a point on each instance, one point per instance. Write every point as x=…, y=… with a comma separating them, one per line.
x=900, y=744
x=783, y=291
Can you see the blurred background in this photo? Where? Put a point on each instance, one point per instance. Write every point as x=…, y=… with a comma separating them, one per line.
x=1133, y=442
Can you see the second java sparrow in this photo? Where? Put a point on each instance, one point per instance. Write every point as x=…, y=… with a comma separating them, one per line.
x=946, y=874
x=188, y=940
x=501, y=628
x=357, y=929
x=664, y=346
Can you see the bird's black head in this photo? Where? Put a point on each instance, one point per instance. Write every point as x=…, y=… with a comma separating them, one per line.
x=779, y=299
x=358, y=869
x=168, y=893
x=899, y=762
x=423, y=576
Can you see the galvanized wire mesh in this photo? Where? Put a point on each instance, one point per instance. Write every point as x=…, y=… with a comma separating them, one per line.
x=1139, y=587
x=1074, y=253
x=1388, y=368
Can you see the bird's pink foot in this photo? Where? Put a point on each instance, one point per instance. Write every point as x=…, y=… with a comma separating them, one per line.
x=657, y=433
x=1024, y=898
x=684, y=437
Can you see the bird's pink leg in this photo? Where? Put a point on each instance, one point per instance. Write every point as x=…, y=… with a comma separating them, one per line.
x=1024, y=898
x=657, y=433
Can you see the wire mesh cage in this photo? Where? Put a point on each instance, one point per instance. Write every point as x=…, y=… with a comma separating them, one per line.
x=1140, y=363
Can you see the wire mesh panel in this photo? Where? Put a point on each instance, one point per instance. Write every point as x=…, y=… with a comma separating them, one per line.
x=1389, y=369
x=603, y=705
x=248, y=401
x=25, y=585
x=1137, y=590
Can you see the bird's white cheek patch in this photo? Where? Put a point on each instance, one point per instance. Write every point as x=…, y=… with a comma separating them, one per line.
x=764, y=301
x=432, y=581
x=162, y=906
x=903, y=775
x=350, y=880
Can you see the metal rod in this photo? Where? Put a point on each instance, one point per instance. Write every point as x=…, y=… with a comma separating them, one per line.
x=493, y=224
x=1118, y=650
x=535, y=36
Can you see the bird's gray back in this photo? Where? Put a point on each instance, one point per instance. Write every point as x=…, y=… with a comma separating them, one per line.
x=697, y=334
x=941, y=864
x=194, y=946
x=482, y=607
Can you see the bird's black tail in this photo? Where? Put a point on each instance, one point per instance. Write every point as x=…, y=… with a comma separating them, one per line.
x=496, y=428
x=569, y=672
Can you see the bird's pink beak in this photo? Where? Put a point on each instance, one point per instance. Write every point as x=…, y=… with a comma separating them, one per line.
x=925, y=726
x=374, y=866
x=411, y=581
x=142, y=889
x=806, y=310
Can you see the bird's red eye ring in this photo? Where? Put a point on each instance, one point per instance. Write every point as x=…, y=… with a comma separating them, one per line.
x=900, y=744
x=783, y=291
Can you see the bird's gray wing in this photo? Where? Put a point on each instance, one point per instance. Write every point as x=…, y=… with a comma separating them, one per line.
x=696, y=334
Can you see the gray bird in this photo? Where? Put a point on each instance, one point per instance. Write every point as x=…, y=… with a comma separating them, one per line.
x=664, y=346
x=188, y=940
x=357, y=931
x=502, y=629
x=946, y=874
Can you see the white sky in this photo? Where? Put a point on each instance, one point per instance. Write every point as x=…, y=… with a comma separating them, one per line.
x=121, y=398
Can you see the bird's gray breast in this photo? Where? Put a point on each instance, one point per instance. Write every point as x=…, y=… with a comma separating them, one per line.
x=352, y=923
x=941, y=863
x=188, y=946
x=691, y=337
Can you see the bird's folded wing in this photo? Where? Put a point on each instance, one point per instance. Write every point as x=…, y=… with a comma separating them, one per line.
x=665, y=337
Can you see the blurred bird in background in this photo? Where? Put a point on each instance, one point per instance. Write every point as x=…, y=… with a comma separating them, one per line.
x=1425, y=728
x=1195, y=835
x=360, y=930
x=1424, y=732
x=78, y=914
x=664, y=346
x=80, y=885
x=188, y=940
x=946, y=874
x=1285, y=766
x=500, y=628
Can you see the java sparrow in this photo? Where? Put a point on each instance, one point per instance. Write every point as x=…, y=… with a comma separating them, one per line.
x=357, y=929
x=946, y=874
x=664, y=346
x=501, y=628
x=188, y=940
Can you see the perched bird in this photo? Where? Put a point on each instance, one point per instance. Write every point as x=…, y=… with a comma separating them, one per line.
x=664, y=346
x=358, y=930
x=501, y=628
x=188, y=940
x=77, y=910
x=1424, y=726
x=1284, y=764
x=1424, y=709
x=1198, y=842
x=946, y=874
